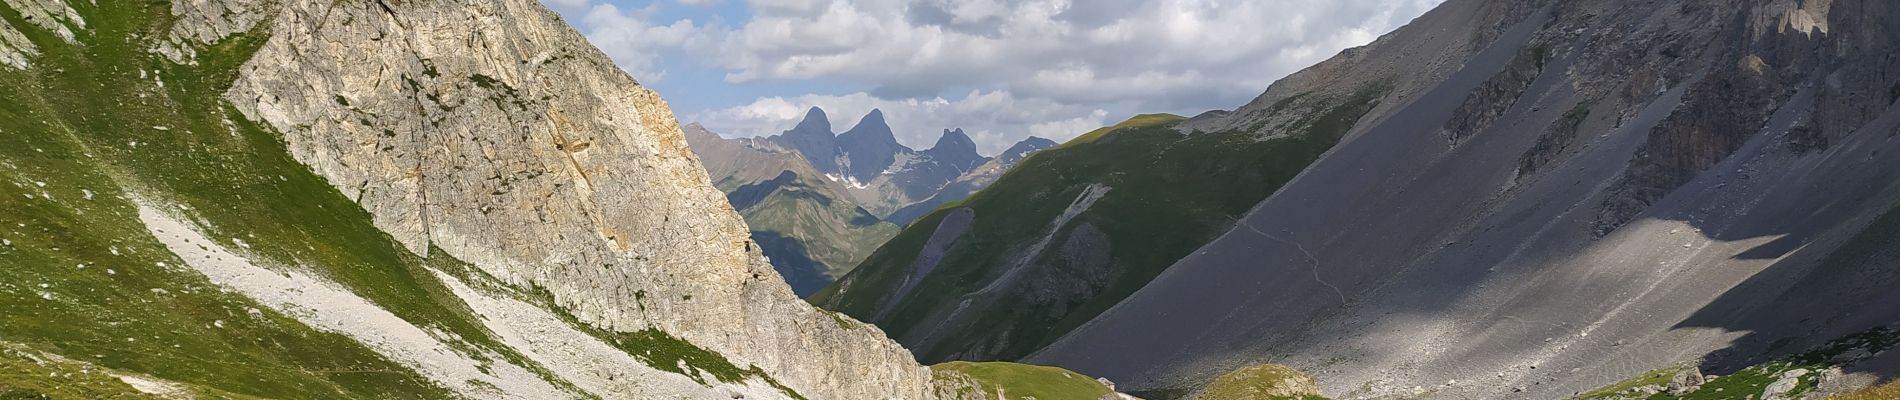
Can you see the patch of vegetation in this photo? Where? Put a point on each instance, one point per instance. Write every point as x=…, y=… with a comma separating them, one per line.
x=1655, y=377
x=1752, y=381
x=1020, y=381
x=1888, y=391
x=1263, y=382
x=1171, y=193
x=1136, y=122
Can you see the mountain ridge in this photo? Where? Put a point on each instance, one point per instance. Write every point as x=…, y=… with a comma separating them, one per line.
x=814, y=224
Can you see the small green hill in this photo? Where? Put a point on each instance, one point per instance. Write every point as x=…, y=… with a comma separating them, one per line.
x=1262, y=382
x=1010, y=381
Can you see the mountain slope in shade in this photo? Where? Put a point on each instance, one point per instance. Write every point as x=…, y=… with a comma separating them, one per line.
x=1557, y=196
x=806, y=224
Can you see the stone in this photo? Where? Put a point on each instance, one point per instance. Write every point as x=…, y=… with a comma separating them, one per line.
x=1784, y=386
x=1685, y=381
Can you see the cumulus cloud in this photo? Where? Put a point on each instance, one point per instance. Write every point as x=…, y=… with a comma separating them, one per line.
x=634, y=43
x=1079, y=56
x=1171, y=54
x=994, y=120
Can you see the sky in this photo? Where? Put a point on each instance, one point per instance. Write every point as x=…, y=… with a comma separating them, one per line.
x=1001, y=70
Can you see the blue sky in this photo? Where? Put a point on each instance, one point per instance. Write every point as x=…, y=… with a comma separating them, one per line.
x=999, y=69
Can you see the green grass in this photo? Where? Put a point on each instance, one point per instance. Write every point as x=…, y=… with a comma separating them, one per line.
x=71, y=123
x=1888, y=391
x=1136, y=122
x=1171, y=194
x=1656, y=377
x=1262, y=382
x=1755, y=379
x=1021, y=381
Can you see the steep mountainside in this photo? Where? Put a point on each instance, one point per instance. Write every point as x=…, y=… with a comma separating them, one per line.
x=805, y=224
x=1557, y=196
x=303, y=199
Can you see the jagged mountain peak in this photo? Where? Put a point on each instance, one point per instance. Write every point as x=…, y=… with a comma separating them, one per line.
x=865, y=151
x=815, y=122
x=954, y=143
x=872, y=128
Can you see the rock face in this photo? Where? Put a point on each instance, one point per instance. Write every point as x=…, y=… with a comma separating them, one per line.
x=1685, y=381
x=448, y=120
x=1555, y=195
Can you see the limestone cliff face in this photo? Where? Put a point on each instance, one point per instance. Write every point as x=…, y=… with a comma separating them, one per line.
x=492, y=132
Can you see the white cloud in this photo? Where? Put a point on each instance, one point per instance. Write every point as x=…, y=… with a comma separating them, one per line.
x=994, y=120
x=634, y=43
x=1174, y=55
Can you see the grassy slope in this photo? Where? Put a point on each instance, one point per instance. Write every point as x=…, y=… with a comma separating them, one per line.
x=1022, y=381
x=93, y=118
x=71, y=123
x=1171, y=194
x=1262, y=382
x=1888, y=391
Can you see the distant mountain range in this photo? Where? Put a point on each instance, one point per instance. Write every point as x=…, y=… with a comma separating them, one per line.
x=853, y=189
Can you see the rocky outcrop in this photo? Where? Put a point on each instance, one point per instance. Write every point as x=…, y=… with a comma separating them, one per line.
x=15, y=49
x=205, y=22
x=491, y=132
x=53, y=15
